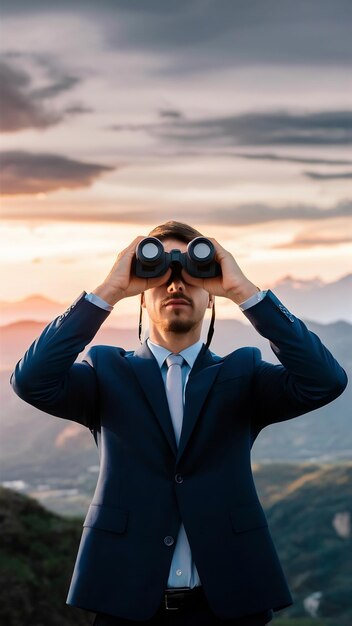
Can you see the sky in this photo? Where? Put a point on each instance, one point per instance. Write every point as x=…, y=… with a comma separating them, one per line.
x=232, y=115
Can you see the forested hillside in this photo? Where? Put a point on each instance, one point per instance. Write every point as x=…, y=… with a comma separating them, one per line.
x=309, y=513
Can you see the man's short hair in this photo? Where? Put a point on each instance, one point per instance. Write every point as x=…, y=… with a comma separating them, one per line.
x=175, y=230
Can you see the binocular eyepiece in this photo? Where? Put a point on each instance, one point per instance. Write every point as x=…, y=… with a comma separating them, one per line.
x=152, y=260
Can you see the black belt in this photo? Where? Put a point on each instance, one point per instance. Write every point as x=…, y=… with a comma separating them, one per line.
x=185, y=597
x=182, y=597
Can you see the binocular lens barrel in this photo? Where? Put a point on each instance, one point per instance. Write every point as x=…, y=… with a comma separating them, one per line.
x=150, y=251
x=201, y=250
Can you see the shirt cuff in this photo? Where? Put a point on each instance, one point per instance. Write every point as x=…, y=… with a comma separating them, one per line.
x=94, y=299
x=257, y=297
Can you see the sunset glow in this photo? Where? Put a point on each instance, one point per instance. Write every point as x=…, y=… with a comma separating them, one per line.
x=110, y=128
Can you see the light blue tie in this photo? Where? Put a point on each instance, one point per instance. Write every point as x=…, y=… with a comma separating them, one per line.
x=174, y=392
x=183, y=571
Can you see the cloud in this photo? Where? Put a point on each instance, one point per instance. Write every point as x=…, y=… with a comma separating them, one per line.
x=199, y=35
x=77, y=109
x=253, y=129
x=323, y=176
x=20, y=109
x=133, y=127
x=63, y=83
x=310, y=242
x=172, y=114
x=23, y=105
x=248, y=214
x=289, y=159
x=241, y=215
x=28, y=173
x=262, y=129
x=203, y=35
x=169, y=118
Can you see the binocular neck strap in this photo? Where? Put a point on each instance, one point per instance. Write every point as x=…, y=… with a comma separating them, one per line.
x=140, y=321
x=211, y=326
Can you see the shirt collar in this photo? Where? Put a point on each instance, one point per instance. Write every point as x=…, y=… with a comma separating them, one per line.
x=189, y=354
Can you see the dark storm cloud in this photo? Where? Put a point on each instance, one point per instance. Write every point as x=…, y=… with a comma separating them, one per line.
x=263, y=129
x=23, y=105
x=322, y=176
x=28, y=173
x=200, y=35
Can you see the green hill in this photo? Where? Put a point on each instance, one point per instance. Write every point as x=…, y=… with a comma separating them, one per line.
x=36, y=562
x=309, y=513
x=310, y=521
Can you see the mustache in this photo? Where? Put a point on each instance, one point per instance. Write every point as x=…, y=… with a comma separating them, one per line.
x=176, y=296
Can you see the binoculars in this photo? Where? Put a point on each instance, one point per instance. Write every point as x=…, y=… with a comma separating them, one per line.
x=152, y=261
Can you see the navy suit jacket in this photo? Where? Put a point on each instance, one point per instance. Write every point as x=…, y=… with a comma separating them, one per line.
x=146, y=486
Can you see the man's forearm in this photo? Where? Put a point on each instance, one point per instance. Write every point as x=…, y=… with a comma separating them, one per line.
x=106, y=293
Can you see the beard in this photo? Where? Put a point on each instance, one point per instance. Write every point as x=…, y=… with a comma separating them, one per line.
x=179, y=326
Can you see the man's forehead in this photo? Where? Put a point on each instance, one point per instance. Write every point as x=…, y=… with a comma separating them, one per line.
x=174, y=244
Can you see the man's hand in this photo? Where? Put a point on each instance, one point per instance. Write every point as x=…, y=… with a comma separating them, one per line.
x=121, y=283
x=233, y=284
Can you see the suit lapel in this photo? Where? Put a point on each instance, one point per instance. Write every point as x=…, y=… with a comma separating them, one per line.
x=149, y=377
x=200, y=381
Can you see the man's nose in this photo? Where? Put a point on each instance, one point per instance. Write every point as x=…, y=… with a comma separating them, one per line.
x=175, y=282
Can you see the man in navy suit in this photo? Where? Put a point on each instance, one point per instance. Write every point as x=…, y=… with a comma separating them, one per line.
x=175, y=533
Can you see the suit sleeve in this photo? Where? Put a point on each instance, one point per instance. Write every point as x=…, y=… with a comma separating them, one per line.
x=48, y=377
x=309, y=376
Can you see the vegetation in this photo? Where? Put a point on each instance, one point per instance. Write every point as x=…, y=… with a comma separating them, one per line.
x=315, y=557
x=302, y=502
x=36, y=561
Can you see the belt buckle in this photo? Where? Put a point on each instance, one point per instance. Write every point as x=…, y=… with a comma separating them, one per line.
x=170, y=608
x=175, y=591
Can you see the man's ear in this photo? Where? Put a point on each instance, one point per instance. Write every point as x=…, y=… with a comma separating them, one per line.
x=211, y=301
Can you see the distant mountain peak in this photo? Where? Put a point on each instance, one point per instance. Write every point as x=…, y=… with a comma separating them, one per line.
x=300, y=283
x=38, y=298
x=33, y=300
x=306, y=284
x=347, y=279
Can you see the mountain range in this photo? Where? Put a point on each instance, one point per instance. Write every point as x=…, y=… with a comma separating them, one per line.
x=316, y=300
x=57, y=461
x=313, y=299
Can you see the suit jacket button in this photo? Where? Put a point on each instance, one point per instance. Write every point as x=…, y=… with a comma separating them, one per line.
x=179, y=478
x=168, y=541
